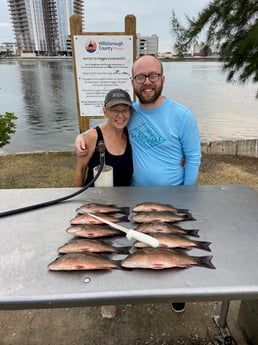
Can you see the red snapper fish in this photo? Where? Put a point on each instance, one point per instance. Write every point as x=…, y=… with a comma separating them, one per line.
x=87, y=219
x=93, y=231
x=154, y=206
x=90, y=246
x=170, y=217
x=101, y=208
x=82, y=261
x=158, y=259
x=166, y=228
x=175, y=241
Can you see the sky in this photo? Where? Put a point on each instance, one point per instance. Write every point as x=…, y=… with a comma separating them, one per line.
x=152, y=17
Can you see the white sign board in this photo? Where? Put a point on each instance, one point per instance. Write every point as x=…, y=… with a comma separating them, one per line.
x=102, y=63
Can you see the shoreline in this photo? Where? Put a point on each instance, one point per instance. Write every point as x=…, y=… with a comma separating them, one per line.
x=70, y=58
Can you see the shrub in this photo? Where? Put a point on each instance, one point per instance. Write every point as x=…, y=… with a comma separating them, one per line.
x=7, y=127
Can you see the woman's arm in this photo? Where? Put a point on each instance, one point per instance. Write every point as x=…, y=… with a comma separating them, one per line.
x=89, y=141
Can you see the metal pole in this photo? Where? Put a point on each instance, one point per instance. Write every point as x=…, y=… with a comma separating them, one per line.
x=223, y=314
x=221, y=322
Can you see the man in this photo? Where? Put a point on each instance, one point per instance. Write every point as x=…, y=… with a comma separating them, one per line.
x=163, y=134
x=161, y=131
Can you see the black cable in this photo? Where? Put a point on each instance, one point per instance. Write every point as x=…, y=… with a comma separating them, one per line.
x=101, y=149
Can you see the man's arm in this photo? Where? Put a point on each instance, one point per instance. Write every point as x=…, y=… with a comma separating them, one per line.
x=192, y=150
x=80, y=146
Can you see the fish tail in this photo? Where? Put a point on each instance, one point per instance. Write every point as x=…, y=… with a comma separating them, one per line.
x=205, y=261
x=124, y=218
x=193, y=232
x=123, y=250
x=203, y=245
x=125, y=210
x=188, y=216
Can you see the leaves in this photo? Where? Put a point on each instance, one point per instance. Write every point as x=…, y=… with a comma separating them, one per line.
x=233, y=25
x=7, y=127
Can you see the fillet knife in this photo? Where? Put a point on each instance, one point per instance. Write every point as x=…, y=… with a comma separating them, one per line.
x=130, y=233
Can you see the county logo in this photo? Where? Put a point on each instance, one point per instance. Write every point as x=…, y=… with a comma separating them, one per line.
x=90, y=46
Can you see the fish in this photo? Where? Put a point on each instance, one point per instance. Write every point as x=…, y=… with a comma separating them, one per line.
x=175, y=241
x=87, y=219
x=154, y=206
x=82, y=261
x=101, y=208
x=93, y=231
x=90, y=246
x=170, y=217
x=166, y=228
x=160, y=258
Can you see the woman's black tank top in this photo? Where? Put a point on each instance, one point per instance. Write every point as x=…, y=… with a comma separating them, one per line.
x=122, y=164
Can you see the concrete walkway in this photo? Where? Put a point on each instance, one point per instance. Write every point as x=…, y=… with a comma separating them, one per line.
x=154, y=324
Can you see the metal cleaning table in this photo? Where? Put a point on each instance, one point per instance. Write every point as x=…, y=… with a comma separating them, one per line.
x=226, y=215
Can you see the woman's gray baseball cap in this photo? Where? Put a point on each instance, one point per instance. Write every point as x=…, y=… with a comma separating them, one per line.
x=117, y=96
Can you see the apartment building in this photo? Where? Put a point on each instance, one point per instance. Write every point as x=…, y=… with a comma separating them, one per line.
x=42, y=26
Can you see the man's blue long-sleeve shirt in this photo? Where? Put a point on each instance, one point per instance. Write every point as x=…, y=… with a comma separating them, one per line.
x=160, y=138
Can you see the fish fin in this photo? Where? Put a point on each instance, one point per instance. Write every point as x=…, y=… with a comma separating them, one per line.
x=182, y=210
x=80, y=211
x=117, y=263
x=193, y=232
x=126, y=268
x=205, y=261
x=203, y=245
x=125, y=210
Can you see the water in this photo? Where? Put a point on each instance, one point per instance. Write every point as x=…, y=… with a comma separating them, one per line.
x=42, y=96
x=224, y=111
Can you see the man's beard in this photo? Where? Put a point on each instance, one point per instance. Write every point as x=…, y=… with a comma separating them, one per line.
x=145, y=100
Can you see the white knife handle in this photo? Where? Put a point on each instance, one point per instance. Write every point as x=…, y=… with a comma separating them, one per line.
x=140, y=236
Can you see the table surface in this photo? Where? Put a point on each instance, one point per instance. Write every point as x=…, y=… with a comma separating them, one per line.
x=226, y=215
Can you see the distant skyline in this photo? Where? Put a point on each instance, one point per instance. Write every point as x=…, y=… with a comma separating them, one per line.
x=152, y=17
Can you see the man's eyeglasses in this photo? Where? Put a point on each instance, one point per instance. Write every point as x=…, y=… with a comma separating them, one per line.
x=116, y=112
x=153, y=77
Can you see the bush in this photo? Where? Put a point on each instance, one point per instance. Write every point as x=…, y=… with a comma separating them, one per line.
x=7, y=127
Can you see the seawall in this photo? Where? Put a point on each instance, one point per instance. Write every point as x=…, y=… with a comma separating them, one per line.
x=232, y=147
x=248, y=148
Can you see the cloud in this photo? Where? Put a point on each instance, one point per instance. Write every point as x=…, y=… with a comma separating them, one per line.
x=152, y=17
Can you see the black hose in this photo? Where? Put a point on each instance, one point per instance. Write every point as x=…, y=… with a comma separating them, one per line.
x=56, y=201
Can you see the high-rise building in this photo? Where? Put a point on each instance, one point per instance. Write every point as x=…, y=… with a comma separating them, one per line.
x=42, y=26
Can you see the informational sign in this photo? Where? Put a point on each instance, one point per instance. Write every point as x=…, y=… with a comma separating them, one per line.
x=102, y=63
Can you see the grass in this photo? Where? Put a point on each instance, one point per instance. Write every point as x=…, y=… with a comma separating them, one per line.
x=56, y=169
x=37, y=170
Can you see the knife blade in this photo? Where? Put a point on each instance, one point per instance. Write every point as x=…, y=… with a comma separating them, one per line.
x=130, y=233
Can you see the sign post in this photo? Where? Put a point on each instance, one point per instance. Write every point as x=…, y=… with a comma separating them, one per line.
x=102, y=62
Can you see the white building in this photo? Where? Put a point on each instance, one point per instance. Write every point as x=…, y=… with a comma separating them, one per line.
x=8, y=48
x=147, y=45
x=42, y=26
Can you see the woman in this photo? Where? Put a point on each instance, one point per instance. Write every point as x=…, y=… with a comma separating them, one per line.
x=117, y=111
